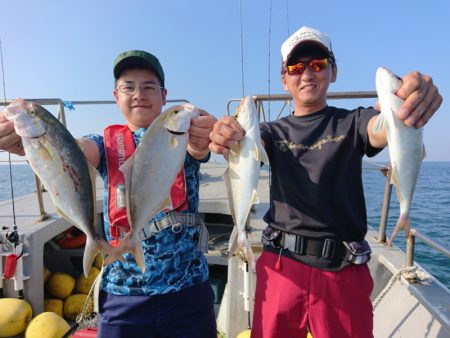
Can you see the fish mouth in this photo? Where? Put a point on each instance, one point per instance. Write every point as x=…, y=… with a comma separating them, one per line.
x=173, y=132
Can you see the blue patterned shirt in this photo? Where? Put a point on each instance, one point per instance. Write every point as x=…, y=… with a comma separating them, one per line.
x=172, y=260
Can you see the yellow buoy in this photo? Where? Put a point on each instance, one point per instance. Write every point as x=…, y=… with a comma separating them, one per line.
x=47, y=274
x=74, y=304
x=60, y=285
x=47, y=325
x=14, y=317
x=84, y=283
x=245, y=334
x=98, y=261
x=54, y=305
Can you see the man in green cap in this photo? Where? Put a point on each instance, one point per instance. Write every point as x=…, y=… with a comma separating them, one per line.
x=173, y=297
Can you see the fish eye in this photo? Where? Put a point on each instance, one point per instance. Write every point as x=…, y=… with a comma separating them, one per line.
x=32, y=112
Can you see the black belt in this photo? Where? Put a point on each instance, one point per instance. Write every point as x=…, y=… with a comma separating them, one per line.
x=328, y=248
x=173, y=219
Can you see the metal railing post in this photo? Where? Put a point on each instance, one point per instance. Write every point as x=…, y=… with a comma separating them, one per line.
x=386, y=202
x=62, y=114
x=44, y=215
x=410, y=246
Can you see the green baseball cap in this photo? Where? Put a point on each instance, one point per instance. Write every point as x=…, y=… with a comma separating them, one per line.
x=138, y=58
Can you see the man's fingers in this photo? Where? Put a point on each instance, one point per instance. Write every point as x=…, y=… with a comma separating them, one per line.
x=218, y=149
x=227, y=132
x=422, y=99
x=16, y=149
x=8, y=137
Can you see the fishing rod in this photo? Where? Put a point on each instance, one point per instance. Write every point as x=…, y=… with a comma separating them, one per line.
x=13, y=261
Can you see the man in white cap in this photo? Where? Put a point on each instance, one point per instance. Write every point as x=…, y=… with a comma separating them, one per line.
x=306, y=277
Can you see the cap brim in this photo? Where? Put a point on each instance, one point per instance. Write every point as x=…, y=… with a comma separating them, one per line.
x=308, y=47
x=130, y=62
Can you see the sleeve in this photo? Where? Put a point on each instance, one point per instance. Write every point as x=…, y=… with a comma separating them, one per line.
x=98, y=139
x=363, y=117
x=191, y=171
x=266, y=136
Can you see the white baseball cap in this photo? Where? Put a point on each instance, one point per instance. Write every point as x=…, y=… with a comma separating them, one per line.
x=303, y=35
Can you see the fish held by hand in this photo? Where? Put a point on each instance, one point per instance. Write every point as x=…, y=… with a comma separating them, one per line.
x=55, y=157
x=405, y=144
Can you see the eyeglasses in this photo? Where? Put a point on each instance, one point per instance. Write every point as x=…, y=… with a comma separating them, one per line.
x=146, y=89
x=315, y=65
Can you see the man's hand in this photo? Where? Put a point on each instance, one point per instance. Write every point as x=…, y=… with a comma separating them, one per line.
x=422, y=99
x=9, y=140
x=199, y=131
x=226, y=132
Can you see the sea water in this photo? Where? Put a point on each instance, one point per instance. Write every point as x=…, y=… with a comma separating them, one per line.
x=429, y=212
x=430, y=209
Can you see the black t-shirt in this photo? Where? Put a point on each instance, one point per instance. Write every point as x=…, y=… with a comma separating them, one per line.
x=316, y=184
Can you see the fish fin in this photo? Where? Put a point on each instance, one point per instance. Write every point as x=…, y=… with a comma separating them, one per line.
x=233, y=242
x=236, y=150
x=402, y=224
x=379, y=123
x=93, y=175
x=174, y=141
x=44, y=154
x=139, y=254
x=256, y=152
x=259, y=153
x=255, y=197
x=226, y=176
x=127, y=168
x=90, y=251
x=394, y=181
x=240, y=246
x=248, y=253
x=115, y=253
x=263, y=154
x=167, y=203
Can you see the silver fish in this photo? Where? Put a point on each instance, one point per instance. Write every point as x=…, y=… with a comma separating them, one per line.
x=58, y=161
x=151, y=171
x=242, y=175
x=405, y=144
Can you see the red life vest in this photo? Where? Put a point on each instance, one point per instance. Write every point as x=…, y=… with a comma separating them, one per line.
x=119, y=146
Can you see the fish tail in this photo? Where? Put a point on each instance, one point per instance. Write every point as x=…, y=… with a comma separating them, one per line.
x=249, y=255
x=128, y=244
x=233, y=243
x=112, y=254
x=90, y=251
x=139, y=256
x=402, y=223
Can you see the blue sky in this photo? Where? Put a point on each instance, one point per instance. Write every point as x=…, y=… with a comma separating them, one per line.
x=62, y=49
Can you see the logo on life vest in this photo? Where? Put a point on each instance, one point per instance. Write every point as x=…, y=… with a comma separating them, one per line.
x=120, y=149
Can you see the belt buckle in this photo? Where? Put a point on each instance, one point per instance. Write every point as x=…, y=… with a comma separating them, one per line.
x=289, y=241
x=294, y=243
x=329, y=248
x=176, y=228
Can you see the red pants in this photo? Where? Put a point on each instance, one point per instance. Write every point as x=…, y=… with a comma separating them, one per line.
x=331, y=304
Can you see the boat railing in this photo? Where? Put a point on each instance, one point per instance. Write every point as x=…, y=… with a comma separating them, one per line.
x=285, y=101
x=264, y=116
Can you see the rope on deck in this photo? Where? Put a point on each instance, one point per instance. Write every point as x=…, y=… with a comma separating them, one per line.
x=409, y=273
